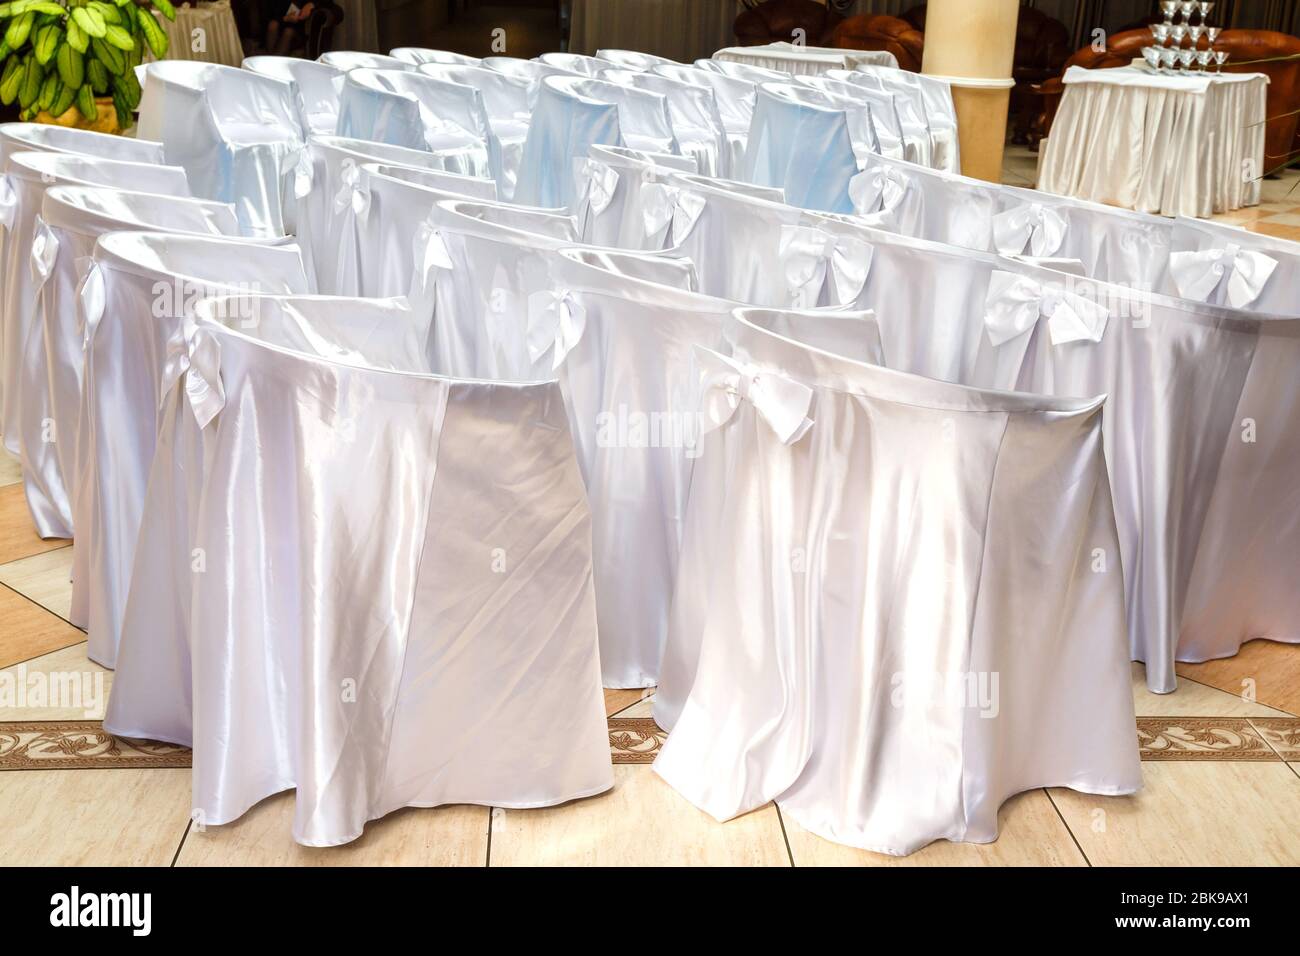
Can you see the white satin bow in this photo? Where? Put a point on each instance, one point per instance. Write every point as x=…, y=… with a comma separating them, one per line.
x=45, y=249
x=877, y=189
x=597, y=183
x=782, y=402
x=1014, y=303
x=430, y=254
x=1197, y=274
x=90, y=298
x=194, y=355
x=556, y=321
x=662, y=204
x=352, y=194
x=304, y=173
x=809, y=253
x=1040, y=227
x=8, y=203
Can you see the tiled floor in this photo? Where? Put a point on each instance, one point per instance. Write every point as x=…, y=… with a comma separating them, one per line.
x=1221, y=762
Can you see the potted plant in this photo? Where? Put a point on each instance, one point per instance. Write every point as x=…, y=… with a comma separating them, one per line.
x=73, y=62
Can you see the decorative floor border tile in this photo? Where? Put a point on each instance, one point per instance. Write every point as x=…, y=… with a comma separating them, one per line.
x=1280, y=733
x=1201, y=738
x=81, y=745
x=635, y=739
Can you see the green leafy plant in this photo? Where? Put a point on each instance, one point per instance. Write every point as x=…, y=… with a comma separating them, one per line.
x=57, y=55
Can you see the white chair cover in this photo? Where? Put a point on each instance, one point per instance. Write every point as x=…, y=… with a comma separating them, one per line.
x=1114, y=245
x=316, y=86
x=801, y=142
x=567, y=121
x=929, y=98
x=136, y=292
x=608, y=183
x=75, y=216
x=908, y=113
x=418, y=56
x=745, y=71
x=576, y=63
x=1227, y=265
x=506, y=103
x=633, y=60
x=927, y=203
x=735, y=99
x=474, y=628
x=402, y=108
x=886, y=126
x=234, y=131
x=326, y=185
x=530, y=72
x=349, y=60
x=693, y=111
x=27, y=252
x=869, y=710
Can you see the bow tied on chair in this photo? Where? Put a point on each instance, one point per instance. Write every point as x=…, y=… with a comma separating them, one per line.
x=194, y=361
x=596, y=184
x=8, y=203
x=877, y=189
x=352, y=193
x=724, y=382
x=304, y=172
x=662, y=204
x=556, y=321
x=91, y=298
x=1015, y=303
x=1039, y=227
x=45, y=249
x=809, y=255
x=1197, y=274
x=431, y=255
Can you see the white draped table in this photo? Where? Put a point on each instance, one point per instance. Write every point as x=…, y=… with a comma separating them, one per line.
x=1174, y=145
x=804, y=60
x=205, y=31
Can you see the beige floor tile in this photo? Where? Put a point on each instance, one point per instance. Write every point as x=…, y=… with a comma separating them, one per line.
x=45, y=578
x=1281, y=230
x=1193, y=699
x=79, y=692
x=11, y=471
x=93, y=817
x=642, y=708
x=616, y=700
x=1030, y=834
x=18, y=538
x=443, y=836
x=642, y=822
x=1192, y=814
x=1269, y=670
x=27, y=630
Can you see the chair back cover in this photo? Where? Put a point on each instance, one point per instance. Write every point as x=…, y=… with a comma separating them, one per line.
x=865, y=685
x=317, y=88
x=693, y=111
x=927, y=203
x=634, y=60
x=235, y=132
x=643, y=117
x=349, y=60
x=886, y=125
x=567, y=121
x=45, y=138
x=607, y=185
x=27, y=249
x=417, y=56
x=745, y=71
x=74, y=217
x=576, y=63
x=908, y=112
x=735, y=100
x=801, y=143
x=138, y=289
x=931, y=99
x=529, y=72
x=472, y=627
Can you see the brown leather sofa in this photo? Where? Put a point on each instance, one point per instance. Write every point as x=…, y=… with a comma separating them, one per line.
x=776, y=20
x=1042, y=47
x=880, y=32
x=1243, y=46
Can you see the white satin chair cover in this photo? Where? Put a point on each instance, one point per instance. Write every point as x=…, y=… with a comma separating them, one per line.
x=745, y=71
x=459, y=629
x=235, y=132
x=1114, y=245
x=931, y=98
x=644, y=119
x=349, y=60
x=27, y=251
x=891, y=578
x=886, y=126
x=316, y=88
x=374, y=107
x=76, y=216
x=567, y=121
x=635, y=60
x=418, y=56
x=801, y=142
x=577, y=63
x=1226, y=265
x=927, y=203
x=693, y=111
x=327, y=186
x=530, y=72
x=138, y=289
x=901, y=112
x=607, y=186
x=735, y=100
x=504, y=105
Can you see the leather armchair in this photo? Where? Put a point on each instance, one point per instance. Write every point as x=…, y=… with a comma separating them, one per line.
x=776, y=20
x=882, y=32
x=1243, y=46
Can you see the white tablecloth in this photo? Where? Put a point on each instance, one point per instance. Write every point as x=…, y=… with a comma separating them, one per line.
x=360, y=27
x=804, y=60
x=204, y=32
x=682, y=30
x=1175, y=145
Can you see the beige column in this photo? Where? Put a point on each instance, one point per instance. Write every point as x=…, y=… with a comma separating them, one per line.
x=975, y=39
